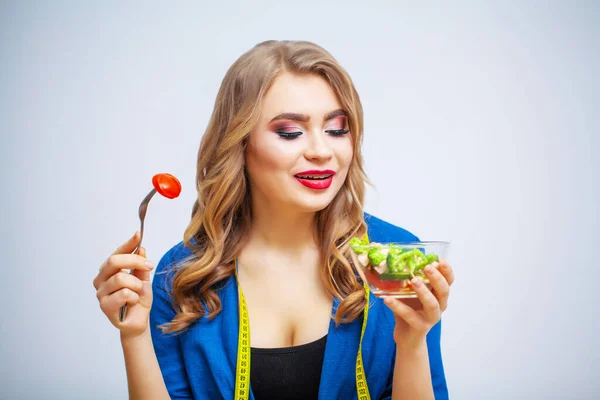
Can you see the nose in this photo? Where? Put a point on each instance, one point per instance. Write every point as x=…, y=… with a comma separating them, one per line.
x=318, y=148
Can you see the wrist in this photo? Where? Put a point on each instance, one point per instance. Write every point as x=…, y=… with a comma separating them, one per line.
x=411, y=344
x=128, y=339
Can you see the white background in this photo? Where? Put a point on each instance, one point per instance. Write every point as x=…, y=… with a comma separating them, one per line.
x=487, y=111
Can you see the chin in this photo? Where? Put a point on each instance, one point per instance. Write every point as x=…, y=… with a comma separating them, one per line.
x=312, y=205
x=312, y=208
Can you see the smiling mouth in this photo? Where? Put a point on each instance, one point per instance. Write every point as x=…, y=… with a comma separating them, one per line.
x=318, y=177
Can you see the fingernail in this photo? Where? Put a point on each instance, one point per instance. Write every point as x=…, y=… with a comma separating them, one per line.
x=388, y=301
x=429, y=269
x=148, y=264
x=417, y=282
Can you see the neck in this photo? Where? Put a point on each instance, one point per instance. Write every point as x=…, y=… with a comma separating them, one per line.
x=284, y=231
x=281, y=239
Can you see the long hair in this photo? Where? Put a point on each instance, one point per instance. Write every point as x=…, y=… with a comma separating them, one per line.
x=221, y=215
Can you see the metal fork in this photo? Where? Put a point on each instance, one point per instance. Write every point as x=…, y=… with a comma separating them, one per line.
x=142, y=213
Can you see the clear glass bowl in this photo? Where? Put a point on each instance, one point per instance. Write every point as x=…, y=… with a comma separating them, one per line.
x=388, y=268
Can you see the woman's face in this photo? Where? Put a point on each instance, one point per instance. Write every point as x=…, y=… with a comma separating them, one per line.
x=298, y=155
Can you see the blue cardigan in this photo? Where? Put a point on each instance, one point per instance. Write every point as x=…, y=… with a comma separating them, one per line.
x=201, y=362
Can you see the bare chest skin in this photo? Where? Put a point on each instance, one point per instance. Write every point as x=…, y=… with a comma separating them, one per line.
x=286, y=306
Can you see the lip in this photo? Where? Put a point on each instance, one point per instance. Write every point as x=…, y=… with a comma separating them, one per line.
x=316, y=172
x=319, y=184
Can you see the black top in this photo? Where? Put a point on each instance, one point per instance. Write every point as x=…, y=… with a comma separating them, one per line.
x=287, y=373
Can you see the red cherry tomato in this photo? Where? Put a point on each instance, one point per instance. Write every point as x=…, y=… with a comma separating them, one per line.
x=167, y=185
x=373, y=278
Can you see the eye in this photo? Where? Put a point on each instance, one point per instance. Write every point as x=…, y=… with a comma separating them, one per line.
x=337, y=132
x=336, y=126
x=288, y=135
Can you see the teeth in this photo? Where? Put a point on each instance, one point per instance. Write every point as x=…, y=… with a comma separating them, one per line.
x=313, y=176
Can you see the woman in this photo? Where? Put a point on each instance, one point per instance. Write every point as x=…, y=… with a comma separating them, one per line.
x=280, y=194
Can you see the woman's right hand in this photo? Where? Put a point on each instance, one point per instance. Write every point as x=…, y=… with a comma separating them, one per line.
x=116, y=287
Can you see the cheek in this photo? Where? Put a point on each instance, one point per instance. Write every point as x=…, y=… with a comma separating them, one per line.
x=268, y=159
x=344, y=150
x=264, y=157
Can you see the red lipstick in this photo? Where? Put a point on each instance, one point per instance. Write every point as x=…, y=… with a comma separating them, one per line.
x=316, y=179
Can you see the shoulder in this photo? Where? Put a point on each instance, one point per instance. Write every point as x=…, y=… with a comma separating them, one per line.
x=169, y=263
x=175, y=258
x=383, y=231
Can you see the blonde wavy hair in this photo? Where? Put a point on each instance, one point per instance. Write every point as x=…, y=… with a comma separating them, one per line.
x=221, y=216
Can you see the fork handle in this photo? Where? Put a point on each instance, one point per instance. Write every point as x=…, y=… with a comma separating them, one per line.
x=123, y=309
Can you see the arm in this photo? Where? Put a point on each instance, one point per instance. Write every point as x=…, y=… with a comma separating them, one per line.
x=412, y=379
x=421, y=368
x=418, y=369
x=153, y=360
x=144, y=378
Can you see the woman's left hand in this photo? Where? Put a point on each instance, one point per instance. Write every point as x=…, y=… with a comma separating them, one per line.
x=415, y=317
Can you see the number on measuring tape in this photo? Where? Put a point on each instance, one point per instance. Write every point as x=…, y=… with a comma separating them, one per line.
x=242, y=372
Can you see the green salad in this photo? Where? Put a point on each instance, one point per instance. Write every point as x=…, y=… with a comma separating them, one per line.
x=392, y=262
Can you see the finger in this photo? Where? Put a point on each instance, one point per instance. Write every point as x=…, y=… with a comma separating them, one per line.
x=140, y=273
x=431, y=306
x=129, y=245
x=117, y=262
x=413, y=303
x=125, y=248
x=117, y=282
x=441, y=289
x=446, y=270
x=111, y=305
x=407, y=313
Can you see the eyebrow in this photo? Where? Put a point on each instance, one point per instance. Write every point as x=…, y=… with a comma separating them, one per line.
x=306, y=118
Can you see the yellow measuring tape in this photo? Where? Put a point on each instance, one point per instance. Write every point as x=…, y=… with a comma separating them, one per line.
x=242, y=372
x=361, y=380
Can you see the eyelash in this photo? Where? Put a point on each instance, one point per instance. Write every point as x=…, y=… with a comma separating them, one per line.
x=289, y=135
x=338, y=132
x=294, y=135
